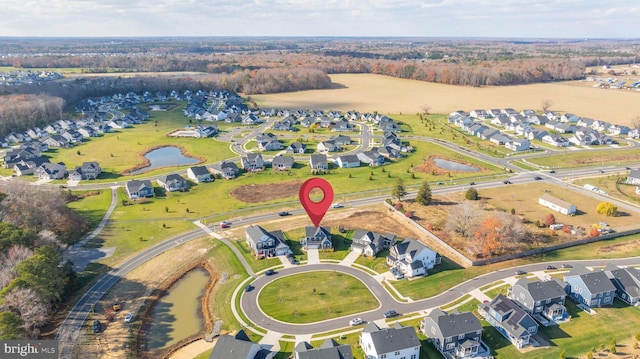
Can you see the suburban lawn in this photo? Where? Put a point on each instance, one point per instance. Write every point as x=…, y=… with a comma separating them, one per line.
x=318, y=299
x=92, y=205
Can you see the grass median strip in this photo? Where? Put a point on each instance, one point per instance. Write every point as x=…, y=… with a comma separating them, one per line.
x=323, y=295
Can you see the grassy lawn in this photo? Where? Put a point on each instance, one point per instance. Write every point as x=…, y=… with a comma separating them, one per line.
x=444, y=276
x=377, y=263
x=92, y=205
x=576, y=337
x=498, y=290
x=585, y=158
x=319, y=299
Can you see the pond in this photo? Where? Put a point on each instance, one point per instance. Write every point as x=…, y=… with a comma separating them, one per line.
x=454, y=166
x=178, y=314
x=165, y=156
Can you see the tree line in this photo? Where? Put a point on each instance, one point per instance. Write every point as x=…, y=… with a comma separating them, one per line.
x=35, y=227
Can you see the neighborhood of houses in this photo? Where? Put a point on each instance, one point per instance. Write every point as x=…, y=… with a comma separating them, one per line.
x=515, y=130
x=528, y=304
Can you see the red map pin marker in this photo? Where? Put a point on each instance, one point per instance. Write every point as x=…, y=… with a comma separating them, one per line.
x=316, y=210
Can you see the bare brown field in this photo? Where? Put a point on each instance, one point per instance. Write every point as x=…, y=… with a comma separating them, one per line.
x=369, y=93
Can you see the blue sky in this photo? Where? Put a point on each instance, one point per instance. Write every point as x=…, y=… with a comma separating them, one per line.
x=459, y=18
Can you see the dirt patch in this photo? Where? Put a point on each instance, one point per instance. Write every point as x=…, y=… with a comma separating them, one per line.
x=256, y=193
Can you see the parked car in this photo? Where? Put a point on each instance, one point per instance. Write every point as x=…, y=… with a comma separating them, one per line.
x=270, y=272
x=97, y=326
x=399, y=276
x=355, y=321
x=284, y=213
x=390, y=314
x=248, y=288
x=128, y=318
x=601, y=171
x=551, y=267
x=556, y=226
x=520, y=272
x=604, y=224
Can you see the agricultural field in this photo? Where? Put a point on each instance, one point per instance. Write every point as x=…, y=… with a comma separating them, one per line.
x=369, y=93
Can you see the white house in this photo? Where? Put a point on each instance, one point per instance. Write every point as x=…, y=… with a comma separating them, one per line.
x=518, y=144
x=412, y=258
x=390, y=343
x=557, y=205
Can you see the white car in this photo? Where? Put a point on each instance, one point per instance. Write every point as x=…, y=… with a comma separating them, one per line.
x=337, y=205
x=355, y=321
x=128, y=318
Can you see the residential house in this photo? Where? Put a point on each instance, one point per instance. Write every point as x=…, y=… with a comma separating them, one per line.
x=307, y=122
x=397, y=342
x=341, y=140
x=569, y=117
x=536, y=134
x=369, y=244
x=510, y=319
x=634, y=133
x=371, y=158
x=455, y=335
x=250, y=119
x=388, y=125
x=317, y=238
x=14, y=156
x=500, y=139
x=252, y=162
x=282, y=163
x=556, y=140
x=199, y=174
x=296, y=148
x=479, y=114
x=225, y=169
x=29, y=166
x=266, y=244
x=518, y=144
x=557, y=204
x=50, y=171
x=538, y=297
x=633, y=177
x=329, y=349
x=87, y=171
x=585, y=137
x=318, y=162
x=348, y=161
x=627, y=283
x=56, y=141
x=412, y=258
x=342, y=125
x=139, y=189
x=328, y=146
x=589, y=288
x=239, y=346
x=286, y=124
x=173, y=182
x=271, y=145
x=565, y=127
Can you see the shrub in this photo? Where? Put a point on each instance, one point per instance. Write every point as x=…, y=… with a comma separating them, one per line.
x=471, y=194
x=607, y=208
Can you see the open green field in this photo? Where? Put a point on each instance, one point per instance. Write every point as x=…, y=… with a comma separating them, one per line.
x=323, y=295
x=594, y=157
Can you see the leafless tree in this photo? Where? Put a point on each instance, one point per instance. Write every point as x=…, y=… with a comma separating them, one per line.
x=464, y=217
x=546, y=104
x=9, y=260
x=26, y=303
x=425, y=109
x=635, y=122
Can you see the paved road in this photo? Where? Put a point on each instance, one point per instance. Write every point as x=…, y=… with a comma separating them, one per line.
x=252, y=310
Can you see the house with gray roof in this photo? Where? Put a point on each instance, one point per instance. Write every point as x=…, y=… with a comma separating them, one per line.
x=199, y=174
x=297, y=148
x=328, y=146
x=627, y=283
x=225, y=169
x=544, y=298
x=397, y=342
x=87, y=171
x=317, y=238
x=341, y=140
x=139, y=189
x=252, y=162
x=266, y=244
x=318, y=162
x=371, y=158
x=282, y=163
x=590, y=288
x=348, y=161
x=239, y=346
x=510, y=319
x=329, y=349
x=50, y=171
x=557, y=204
x=412, y=258
x=173, y=182
x=633, y=177
x=370, y=243
x=455, y=335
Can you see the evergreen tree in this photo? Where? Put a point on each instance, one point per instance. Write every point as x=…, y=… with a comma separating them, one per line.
x=424, y=195
x=399, y=190
x=472, y=194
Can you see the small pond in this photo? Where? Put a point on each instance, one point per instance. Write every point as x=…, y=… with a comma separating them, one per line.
x=454, y=166
x=178, y=314
x=165, y=156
